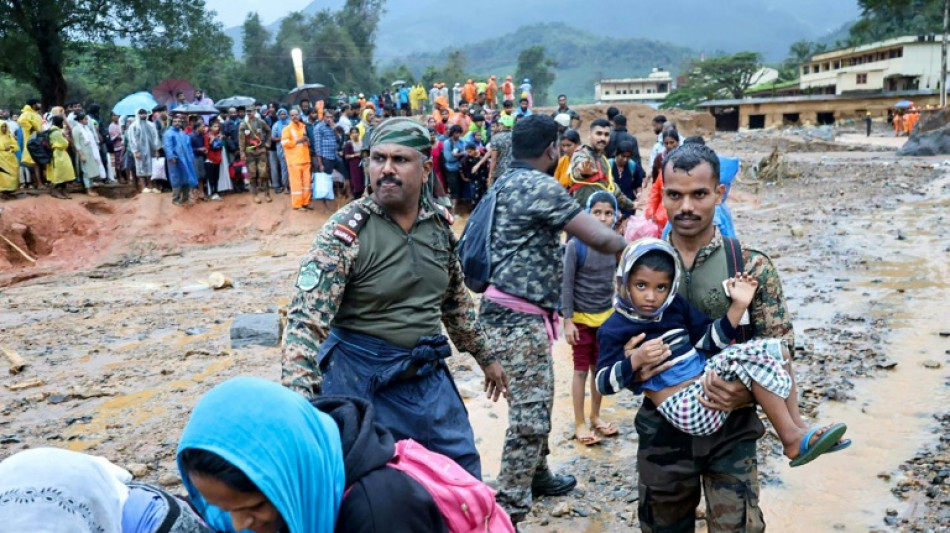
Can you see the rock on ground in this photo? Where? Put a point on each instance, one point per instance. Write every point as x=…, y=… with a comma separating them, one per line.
x=261, y=329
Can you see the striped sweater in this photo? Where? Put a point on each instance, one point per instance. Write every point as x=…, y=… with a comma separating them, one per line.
x=692, y=337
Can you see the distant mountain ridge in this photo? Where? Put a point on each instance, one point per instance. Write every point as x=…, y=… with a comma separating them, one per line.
x=766, y=26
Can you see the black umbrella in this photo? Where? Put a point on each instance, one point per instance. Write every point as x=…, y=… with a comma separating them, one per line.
x=194, y=109
x=311, y=91
x=235, y=101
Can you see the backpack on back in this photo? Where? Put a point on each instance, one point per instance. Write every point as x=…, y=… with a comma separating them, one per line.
x=467, y=504
x=474, y=247
x=39, y=147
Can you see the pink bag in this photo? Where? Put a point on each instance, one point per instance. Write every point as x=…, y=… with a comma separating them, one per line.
x=639, y=227
x=467, y=504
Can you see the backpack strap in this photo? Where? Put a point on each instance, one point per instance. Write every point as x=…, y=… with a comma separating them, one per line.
x=580, y=251
x=735, y=265
x=349, y=227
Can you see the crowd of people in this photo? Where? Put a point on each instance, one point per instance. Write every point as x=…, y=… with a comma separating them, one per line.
x=656, y=297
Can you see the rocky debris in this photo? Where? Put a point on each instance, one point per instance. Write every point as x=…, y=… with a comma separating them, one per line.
x=931, y=136
x=776, y=168
x=261, y=329
x=138, y=470
x=926, y=479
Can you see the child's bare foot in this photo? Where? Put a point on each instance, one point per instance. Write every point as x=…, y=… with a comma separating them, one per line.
x=584, y=435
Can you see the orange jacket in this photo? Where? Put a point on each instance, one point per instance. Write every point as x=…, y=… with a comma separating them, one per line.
x=296, y=154
x=469, y=92
x=491, y=91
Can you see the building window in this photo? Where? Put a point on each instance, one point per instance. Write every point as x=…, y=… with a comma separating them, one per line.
x=637, y=91
x=805, y=69
x=606, y=92
x=825, y=67
x=837, y=65
x=862, y=79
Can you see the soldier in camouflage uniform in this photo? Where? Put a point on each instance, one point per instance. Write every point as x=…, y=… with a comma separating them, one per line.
x=518, y=310
x=675, y=466
x=372, y=294
x=590, y=170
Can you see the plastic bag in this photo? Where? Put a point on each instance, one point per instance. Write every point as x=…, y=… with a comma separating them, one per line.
x=322, y=186
x=639, y=227
x=158, y=169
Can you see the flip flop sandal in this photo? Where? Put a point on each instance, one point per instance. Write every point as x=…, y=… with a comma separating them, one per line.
x=605, y=428
x=841, y=445
x=588, y=440
x=808, y=451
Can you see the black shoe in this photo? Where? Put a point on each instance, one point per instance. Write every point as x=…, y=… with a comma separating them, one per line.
x=548, y=484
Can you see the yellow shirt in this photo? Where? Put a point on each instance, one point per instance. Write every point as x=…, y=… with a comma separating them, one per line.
x=592, y=320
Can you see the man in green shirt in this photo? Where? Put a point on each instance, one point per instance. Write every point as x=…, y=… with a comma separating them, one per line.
x=372, y=295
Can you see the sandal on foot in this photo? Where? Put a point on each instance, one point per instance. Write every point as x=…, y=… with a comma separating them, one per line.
x=588, y=440
x=605, y=428
x=809, y=451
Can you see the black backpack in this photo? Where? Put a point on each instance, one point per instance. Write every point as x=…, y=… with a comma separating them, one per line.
x=39, y=147
x=474, y=247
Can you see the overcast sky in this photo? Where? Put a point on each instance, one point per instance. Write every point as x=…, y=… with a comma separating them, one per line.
x=233, y=12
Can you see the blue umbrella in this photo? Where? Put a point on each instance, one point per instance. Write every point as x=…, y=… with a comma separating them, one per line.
x=131, y=104
x=903, y=104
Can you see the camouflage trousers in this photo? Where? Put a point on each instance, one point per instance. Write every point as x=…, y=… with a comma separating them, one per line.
x=257, y=174
x=524, y=352
x=675, y=466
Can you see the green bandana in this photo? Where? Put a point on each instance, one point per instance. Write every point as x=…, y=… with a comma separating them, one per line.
x=402, y=131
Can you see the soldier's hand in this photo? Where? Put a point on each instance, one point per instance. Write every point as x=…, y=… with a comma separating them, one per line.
x=723, y=395
x=496, y=381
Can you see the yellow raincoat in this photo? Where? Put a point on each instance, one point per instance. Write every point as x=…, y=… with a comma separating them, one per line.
x=30, y=122
x=60, y=170
x=9, y=166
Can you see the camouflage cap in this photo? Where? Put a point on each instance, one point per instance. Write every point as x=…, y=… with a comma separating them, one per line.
x=402, y=131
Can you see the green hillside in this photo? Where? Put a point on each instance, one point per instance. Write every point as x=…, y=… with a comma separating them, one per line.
x=582, y=57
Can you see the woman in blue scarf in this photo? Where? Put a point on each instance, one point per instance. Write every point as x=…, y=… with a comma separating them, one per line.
x=257, y=456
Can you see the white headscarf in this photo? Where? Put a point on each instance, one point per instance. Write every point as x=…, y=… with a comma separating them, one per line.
x=48, y=490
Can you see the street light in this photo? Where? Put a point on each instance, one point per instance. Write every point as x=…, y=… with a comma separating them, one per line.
x=297, y=56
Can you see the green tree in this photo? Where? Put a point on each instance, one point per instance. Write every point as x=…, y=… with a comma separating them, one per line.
x=38, y=36
x=883, y=19
x=798, y=53
x=453, y=72
x=534, y=65
x=396, y=72
x=723, y=76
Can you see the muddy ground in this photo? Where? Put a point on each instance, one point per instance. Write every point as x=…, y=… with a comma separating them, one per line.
x=122, y=337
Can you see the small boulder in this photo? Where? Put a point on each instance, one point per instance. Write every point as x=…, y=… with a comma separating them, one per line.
x=261, y=329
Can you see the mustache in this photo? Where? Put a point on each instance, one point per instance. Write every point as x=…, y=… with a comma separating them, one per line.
x=389, y=179
x=686, y=216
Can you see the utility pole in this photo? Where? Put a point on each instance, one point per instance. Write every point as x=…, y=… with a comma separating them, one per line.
x=943, y=55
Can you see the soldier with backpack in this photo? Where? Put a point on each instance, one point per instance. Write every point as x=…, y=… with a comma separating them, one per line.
x=517, y=262
x=281, y=463
x=372, y=296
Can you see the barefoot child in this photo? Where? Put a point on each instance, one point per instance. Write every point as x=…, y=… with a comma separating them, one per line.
x=647, y=303
x=586, y=302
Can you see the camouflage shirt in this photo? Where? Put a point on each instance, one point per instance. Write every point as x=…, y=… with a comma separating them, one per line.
x=526, y=256
x=335, y=261
x=582, y=192
x=768, y=311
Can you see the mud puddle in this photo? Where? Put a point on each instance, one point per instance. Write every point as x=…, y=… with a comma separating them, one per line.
x=907, y=283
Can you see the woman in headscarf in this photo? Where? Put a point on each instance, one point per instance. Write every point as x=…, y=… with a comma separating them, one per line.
x=59, y=491
x=280, y=464
x=366, y=117
x=655, y=210
x=9, y=166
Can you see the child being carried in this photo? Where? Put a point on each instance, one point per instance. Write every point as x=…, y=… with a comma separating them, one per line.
x=646, y=303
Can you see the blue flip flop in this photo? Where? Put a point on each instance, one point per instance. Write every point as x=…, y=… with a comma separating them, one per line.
x=808, y=451
x=842, y=444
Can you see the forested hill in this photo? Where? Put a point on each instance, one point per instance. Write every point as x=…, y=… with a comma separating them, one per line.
x=582, y=57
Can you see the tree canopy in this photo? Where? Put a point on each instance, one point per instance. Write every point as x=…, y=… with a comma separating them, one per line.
x=40, y=37
x=537, y=67
x=883, y=19
x=725, y=76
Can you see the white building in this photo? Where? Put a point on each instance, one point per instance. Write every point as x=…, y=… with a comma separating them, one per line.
x=651, y=90
x=900, y=64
